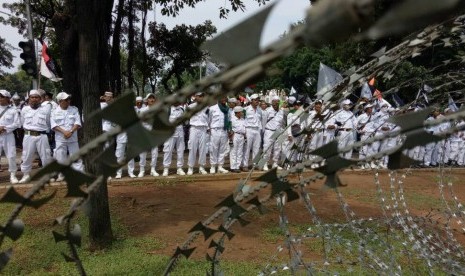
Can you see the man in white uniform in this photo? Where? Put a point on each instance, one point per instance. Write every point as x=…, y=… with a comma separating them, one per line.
x=175, y=141
x=367, y=128
x=294, y=127
x=198, y=137
x=219, y=127
x=238, y=129
x=345, y=123
x=253, y=126
x=121, y=139
x=9, y=121
x=36, y=121
x=274, y=117
x=150, y=99
x=434, y=151
x=65, y=121
x=139, y=108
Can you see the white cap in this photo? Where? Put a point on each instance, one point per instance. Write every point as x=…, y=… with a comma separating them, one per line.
x=108, y=94
x=34, y=92
x=63, y=96
x=199, y=93
x=139, y=99
x=16, y=97
x=232, y=100
x=275, y=98
x=367, y=106
x=150, y=95
x=254, y=96
x=41, y=92
x=318, y=101
x=291, y=100
x=238, y=109
x=5, y=93
x=346, y=101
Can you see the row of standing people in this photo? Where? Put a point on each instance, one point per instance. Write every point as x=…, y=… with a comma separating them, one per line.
x=38, y=119
x=210, y=131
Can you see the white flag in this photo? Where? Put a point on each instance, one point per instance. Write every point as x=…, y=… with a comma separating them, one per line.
x=293, y=91
x=327, y=79
x=211, y=68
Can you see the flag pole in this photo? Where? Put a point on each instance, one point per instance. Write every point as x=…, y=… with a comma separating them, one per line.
x=39, y=72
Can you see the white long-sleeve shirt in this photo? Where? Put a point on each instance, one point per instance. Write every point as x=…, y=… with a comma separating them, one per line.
x=253, y=117
x=106, y=125
x=200, y=118
x=176, y=112
x=10, y=119
x=216, y=117
x=346, y=118
x=238, y=126
x=274, y=119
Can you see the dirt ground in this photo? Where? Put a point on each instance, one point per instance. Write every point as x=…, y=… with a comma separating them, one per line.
x=166, y=208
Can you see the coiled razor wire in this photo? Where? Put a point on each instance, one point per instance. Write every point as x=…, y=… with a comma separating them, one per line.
x=352, y=13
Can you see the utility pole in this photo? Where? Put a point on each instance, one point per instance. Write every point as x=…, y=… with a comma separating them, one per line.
x=30, y=35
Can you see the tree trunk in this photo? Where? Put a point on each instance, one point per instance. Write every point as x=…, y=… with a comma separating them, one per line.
x=68, y=40
x=93, y=19
x=144, y=70
x=131, y=37
x=115, y=57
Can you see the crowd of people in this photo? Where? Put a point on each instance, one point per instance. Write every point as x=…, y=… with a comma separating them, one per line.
x=237, y=128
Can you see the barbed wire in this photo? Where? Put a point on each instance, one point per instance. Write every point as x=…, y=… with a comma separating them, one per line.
x=233, y=79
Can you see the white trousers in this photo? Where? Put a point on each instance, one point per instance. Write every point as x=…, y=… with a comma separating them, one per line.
x=454, y=150
x=120, y=154
x=461, y=154
x=7, y=145
x=64, y=149
x=143, y=161
x=271, y=147
x=168, y=147
x=237, y=151
x=346, y=138
x=31, y=145
x=218, y=142
x=197, y=143
x=253, y=144
x=433, y=153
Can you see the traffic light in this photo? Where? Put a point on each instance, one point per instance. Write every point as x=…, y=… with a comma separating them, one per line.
x=29, y=57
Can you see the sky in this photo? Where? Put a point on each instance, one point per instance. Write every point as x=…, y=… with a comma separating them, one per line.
x=283, y=15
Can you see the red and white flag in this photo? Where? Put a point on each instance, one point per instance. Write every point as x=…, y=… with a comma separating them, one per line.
x=48, y=68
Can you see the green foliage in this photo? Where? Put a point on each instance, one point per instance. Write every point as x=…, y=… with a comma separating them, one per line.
x=172, y=8
x=5, y=55
x=21, y=83
x=176, y=50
